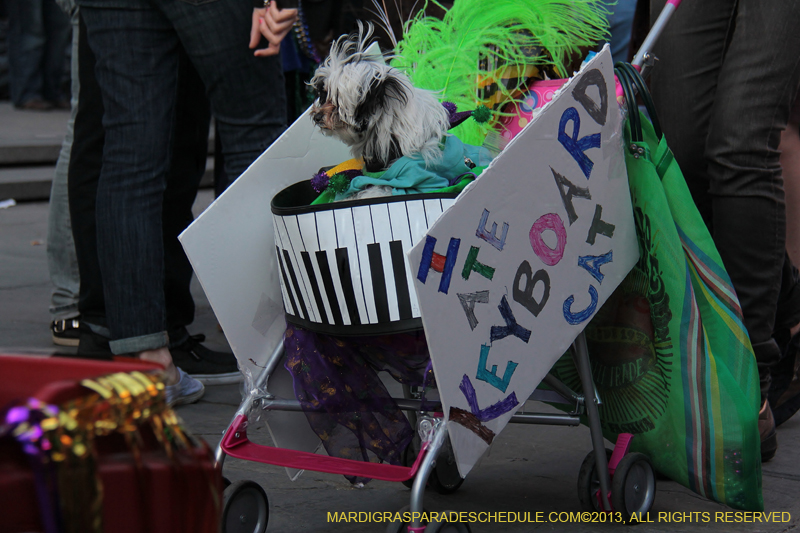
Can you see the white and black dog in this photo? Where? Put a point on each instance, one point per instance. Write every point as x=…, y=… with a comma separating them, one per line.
x=374, y=108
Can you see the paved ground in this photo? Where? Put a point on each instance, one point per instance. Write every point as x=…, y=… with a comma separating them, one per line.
x=530, y=468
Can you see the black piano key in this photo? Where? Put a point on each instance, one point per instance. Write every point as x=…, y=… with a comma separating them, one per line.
x=327, y=282
x=286, y=282
x=312, y=279
x=343, y=266
x=296, y=286
x=378, y=282
x=400, y=279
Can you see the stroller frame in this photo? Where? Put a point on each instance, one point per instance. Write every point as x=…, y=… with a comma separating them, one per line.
x=433, y=431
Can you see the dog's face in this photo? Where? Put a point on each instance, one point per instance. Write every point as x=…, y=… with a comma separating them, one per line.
x=357, y=98
x=374, y=108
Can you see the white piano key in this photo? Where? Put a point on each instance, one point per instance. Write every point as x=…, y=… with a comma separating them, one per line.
x=346, y=233
x=362, y=221
x=401, y=230
x=382, y=227
x=282, y=241
x=297, y=242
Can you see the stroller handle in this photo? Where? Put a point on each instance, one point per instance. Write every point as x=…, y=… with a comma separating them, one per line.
x=655, y=32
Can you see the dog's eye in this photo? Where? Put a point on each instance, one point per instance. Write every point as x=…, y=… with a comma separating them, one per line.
x=322, y=94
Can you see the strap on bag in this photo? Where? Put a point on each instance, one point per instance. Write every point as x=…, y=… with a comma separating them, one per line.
x=630, y=101
x=636, y=81
x=631, y=82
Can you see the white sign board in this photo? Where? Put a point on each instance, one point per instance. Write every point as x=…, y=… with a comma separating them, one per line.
x=231, y=246
x=514, y=270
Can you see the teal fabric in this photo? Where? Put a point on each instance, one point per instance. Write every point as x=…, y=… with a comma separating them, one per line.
x=409, y=175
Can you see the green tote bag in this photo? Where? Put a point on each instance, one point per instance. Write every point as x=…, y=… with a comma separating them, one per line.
x=670, y=356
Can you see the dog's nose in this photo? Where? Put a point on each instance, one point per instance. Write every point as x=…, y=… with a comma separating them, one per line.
x=318, y=118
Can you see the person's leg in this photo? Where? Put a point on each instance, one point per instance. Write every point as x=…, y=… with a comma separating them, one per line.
x=85, y=162
x=790, y=163
x=758, y=82
x=188, y=164
x=620, y=24
x=62, y=261
x=684, y=84
x=26, y=42
x=136, y=55
x=57, y=30
x=246, y=92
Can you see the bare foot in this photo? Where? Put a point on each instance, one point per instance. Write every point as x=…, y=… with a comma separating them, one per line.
x=164, y=358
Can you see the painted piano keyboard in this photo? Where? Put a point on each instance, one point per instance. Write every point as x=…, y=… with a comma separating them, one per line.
x=343, y=267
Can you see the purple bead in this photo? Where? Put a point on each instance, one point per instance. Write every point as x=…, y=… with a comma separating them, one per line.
x=319, y=182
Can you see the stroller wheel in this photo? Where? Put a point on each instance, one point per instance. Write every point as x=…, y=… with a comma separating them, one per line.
x=245, y=508
x=589, y=483
x=445, y=478
x=633, y=488
x=402, y=527
x=448, y=527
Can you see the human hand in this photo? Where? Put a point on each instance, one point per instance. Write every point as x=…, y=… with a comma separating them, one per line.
x=272, y=23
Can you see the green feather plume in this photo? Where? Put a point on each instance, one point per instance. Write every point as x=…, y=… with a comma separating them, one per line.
x=455, y=55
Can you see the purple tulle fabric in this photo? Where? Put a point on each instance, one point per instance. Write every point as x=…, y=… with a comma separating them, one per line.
x=336, y=381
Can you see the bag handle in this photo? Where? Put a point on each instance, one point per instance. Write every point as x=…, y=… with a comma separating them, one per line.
x=637, y=85
x=630, y=100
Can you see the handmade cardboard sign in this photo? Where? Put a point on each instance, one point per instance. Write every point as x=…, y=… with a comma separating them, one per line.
x=511, y=273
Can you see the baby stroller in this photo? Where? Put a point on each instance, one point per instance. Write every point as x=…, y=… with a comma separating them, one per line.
x=321, y=287
x=322, y=298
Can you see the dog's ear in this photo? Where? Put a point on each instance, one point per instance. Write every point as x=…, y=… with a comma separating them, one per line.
x=381, y=95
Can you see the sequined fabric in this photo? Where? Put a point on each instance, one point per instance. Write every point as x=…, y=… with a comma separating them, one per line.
x=336, y=381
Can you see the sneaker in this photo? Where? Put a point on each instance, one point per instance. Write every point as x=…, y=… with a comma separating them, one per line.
x=766, y=428
x=65, y=332
x=35, y=104
x=187, y=390
x=205, y=365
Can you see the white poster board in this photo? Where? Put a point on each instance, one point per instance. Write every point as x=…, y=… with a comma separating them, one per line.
x=514, y=270
x=231, y=246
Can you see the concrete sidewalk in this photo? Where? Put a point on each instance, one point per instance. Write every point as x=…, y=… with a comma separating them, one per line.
x=530, y=469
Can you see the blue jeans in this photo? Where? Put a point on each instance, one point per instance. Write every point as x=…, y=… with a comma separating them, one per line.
x=62, y=261
x=38, y=37
x=620, y=24
x=188, y=162
x=728, y=74
x=137, y=55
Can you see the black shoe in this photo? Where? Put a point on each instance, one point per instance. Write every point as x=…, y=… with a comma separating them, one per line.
x=784, y=393
x=65, y=332
x=204, y=365
x=766, y=429
x=93, y=345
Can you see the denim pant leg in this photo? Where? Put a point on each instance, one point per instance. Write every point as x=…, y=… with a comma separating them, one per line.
x=26, y=42
x=58, y=31
x=246, y=92
x=187, y=166
x=85, y=162
x=684, y=85
x=758, y=82
x=137, y=67
x=62, y=260
x=620, y=25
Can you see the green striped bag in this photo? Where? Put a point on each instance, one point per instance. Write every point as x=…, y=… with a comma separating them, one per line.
x=670, y=355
